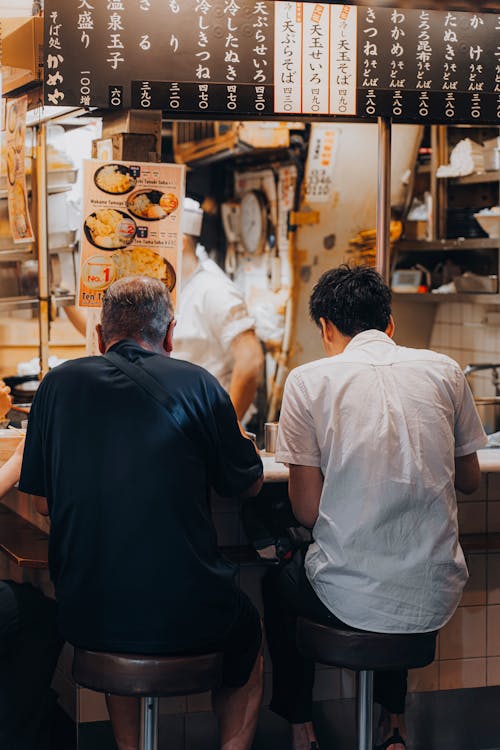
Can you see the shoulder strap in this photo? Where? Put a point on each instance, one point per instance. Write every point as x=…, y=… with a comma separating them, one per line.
x=147, y=382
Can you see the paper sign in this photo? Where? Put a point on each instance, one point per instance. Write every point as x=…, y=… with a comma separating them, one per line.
x=17, y=194
x=132, y=225
x=323, y=146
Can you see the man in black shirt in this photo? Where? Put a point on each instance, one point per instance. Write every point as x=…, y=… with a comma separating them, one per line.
x=125, y=448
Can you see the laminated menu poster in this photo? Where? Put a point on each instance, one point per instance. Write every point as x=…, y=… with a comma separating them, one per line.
x=131, y=225
x=17, y=194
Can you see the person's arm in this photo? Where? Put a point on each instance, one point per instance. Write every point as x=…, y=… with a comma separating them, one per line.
x=247, y=371
x=467, y=473
x=235, y=467
x=11, y=470
x=5, y=399
x=254, y=488
x=305, y=486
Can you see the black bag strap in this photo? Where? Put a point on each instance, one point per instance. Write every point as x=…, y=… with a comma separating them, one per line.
x=147, y=382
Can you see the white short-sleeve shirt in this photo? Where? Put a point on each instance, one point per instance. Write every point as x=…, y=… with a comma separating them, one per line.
x=384, y=423
x=211, y=313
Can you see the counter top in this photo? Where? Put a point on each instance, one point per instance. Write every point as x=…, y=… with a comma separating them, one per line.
x=489, y=461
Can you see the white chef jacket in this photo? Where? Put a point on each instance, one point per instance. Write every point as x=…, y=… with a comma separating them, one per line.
x=384, y=423
x=211, y=313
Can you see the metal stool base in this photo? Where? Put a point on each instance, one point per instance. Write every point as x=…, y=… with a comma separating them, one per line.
x=365, y=710
x=148, y=739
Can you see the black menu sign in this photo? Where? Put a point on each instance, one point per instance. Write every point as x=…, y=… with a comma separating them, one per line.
x=250, y=58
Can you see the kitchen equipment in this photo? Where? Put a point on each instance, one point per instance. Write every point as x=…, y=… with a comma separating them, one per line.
x=489, y=222
x=489, y=413
x=491, y=157
x=270, y=436
x=488, y=407
x=407, y=280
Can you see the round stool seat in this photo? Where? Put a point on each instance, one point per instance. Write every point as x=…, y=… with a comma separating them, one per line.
x=145, y=675
x=363, y=650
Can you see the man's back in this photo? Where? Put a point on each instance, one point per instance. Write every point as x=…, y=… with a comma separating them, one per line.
x=133, y=551
x=384, y=424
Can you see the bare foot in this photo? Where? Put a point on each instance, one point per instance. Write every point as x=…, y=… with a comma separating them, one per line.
x=303, y=737
x=392, y=724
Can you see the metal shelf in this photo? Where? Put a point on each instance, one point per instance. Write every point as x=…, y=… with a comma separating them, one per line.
x=434, y=299
x=462, y=243
x=22, y=303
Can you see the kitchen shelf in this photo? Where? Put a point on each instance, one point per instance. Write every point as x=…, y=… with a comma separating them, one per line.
x=475, y=179
x=462, y=243
x=58, y=181
x=59, y=242
x=16, y=303
x=434, y=299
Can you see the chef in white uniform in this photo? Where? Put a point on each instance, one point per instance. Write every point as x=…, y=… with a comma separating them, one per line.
x=214, y=328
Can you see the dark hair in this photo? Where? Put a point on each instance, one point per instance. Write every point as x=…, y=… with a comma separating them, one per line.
x=353, y=299
x=136, y=307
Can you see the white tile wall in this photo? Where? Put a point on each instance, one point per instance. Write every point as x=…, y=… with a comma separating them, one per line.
x=460, y=331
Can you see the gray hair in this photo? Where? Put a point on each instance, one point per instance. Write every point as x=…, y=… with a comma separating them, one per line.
x=136, y=307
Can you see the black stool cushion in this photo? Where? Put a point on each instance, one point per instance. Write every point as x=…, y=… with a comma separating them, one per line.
x=362, y=650
x=154, y=676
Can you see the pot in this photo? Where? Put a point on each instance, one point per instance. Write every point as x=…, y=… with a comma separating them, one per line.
x=489, y=413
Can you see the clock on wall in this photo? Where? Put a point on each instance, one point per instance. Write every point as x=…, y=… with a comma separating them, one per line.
x=253, y=221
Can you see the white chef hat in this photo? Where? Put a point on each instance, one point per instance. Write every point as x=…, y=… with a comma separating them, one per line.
x=192, y=217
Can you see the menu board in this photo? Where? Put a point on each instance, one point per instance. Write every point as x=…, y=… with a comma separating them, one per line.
x=132, y=225
x=249, y=58
x=17, y=193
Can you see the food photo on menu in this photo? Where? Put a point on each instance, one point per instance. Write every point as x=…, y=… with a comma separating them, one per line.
x=132, y=224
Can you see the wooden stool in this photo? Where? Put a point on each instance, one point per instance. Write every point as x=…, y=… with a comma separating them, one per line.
x=365, y=653
x=147, y=678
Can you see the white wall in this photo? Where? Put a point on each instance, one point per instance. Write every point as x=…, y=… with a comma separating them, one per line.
x=15, y=8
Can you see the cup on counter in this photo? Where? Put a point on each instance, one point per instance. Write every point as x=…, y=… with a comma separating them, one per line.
x=270, y=436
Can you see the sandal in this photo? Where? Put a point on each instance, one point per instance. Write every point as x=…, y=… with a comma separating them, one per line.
x=394, y=739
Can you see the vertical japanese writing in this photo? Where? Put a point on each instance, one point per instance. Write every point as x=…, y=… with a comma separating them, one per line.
x=231, y=52
x=260, y=25
x=397, y=75
x=497, y=68
x=115, y=44
x=203, y=54
x=369, y=57
x=288, y=57
x=476, y=69
x=54, y=60
x=320, y=163
x=370, y=50
x=450, y=66
x=344, y=22
x=145, y=94
x=315, y=58
x=85, y=22
x=424, y=59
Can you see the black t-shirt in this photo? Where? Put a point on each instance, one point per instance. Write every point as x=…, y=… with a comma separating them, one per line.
x=133, y=551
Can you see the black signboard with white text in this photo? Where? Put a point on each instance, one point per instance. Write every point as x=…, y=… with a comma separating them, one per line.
x=250, y=58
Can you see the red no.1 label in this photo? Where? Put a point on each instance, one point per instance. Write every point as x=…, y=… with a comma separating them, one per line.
x=98, y=272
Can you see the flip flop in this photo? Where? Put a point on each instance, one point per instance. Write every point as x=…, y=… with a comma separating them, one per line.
x=394, y=739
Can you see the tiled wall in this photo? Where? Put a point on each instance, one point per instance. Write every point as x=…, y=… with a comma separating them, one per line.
x=468, y=333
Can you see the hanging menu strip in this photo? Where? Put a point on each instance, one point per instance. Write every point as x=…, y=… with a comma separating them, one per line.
x=248, y=58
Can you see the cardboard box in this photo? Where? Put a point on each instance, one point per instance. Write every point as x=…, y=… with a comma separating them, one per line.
x=416, y=230
x=133, y=121
x=22, y=52
x=128, y=147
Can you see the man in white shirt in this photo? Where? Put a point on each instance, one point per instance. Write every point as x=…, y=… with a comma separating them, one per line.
x=377, y=438
x=214, y=328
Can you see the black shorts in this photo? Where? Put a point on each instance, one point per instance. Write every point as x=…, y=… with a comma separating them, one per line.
x=241, y=644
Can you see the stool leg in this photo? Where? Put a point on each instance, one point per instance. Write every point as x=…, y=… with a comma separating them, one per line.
x=365, y=710
x=149, y=724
